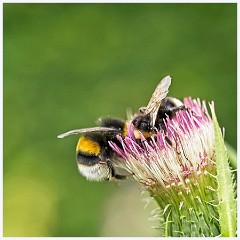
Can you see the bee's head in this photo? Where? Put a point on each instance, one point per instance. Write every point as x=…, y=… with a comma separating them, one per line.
x=142, y=123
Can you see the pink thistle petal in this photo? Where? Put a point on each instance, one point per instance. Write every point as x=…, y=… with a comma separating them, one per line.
x=130, y=131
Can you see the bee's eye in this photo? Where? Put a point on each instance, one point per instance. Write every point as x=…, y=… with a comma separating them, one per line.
x=144, y=125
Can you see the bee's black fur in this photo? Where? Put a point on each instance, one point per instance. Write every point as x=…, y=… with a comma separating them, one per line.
x=112, y=123
x=87, y=159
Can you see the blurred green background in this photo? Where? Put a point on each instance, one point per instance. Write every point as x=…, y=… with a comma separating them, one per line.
x=65, y=65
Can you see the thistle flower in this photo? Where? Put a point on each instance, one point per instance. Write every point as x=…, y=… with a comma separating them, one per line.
x=177, y=166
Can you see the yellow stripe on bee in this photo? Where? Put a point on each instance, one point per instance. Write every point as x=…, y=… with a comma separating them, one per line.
x=88, y=146
x=124, y=131
x=138, y=133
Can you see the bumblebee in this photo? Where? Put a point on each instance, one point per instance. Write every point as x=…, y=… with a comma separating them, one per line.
x=93, y=153
x=150, y=118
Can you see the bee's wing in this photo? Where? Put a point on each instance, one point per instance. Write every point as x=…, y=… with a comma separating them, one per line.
x=86, y=130
x=159, y=94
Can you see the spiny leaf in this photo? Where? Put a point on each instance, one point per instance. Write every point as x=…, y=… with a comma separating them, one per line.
x=227, y=202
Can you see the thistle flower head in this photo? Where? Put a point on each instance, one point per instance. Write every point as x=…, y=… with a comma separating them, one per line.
x=177, y=166
x=172, y=155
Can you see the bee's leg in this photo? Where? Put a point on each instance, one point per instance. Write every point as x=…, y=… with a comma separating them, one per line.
x=120, y=177
x=111, y=169
x=168, y=141
x=113, y=173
